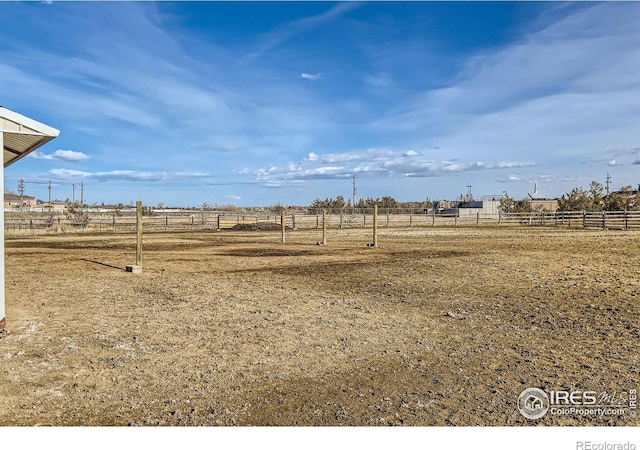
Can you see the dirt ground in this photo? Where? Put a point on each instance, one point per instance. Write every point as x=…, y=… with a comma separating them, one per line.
x=441, y=326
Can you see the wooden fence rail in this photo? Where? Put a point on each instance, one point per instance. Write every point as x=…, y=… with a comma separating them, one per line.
x=39, y=223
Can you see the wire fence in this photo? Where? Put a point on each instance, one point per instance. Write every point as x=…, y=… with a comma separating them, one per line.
x=41, y=223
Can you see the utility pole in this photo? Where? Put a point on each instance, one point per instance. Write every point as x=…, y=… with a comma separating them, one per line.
x=355, y=190
x=49, y=197
x=607, y=183
x=73, y=194
x=82, y=193
x=21, y=191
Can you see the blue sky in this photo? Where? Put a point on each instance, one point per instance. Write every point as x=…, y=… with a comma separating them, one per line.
x=258, y=103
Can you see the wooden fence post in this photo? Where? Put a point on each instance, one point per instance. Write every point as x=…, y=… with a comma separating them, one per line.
x=626, y=220
x=604, y=224
x=584, y=219
x=218, y=223
x=282, y=219
x=375, y=225
x=139, y=233
x=324, y=226
x=410, y=217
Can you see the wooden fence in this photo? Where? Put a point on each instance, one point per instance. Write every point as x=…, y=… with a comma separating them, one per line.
x=39, y=223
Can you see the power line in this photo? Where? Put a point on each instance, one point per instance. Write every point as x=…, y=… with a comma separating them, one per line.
x=355, y=190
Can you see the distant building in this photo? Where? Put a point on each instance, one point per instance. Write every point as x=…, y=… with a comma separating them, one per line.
x=539, y=202
x=487, y=207
x=12, y=202
x=55, y=206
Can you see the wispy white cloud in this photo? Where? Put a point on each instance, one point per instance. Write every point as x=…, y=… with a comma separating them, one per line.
x=193, y=174
x=287, y=31
x=379, y=162
x=60, y=155
x=309, y=76
x=126, y=175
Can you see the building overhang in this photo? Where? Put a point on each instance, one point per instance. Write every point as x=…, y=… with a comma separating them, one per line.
x=22, y=135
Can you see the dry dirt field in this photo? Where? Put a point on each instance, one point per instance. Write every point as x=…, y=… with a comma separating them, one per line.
x=437, y=326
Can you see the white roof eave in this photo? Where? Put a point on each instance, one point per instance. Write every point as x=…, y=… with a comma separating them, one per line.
x=24, y=127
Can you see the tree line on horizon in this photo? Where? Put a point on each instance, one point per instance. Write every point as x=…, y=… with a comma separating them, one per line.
x=339, y=204
x=578, y=199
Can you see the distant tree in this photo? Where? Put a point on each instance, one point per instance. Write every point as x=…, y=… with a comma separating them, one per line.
x=510, y=205
x=388, y=202
x=338, y=204
x=623, y=200
x=575, y=200
x=595, y=192
x=277, y=208
x=76, y=214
